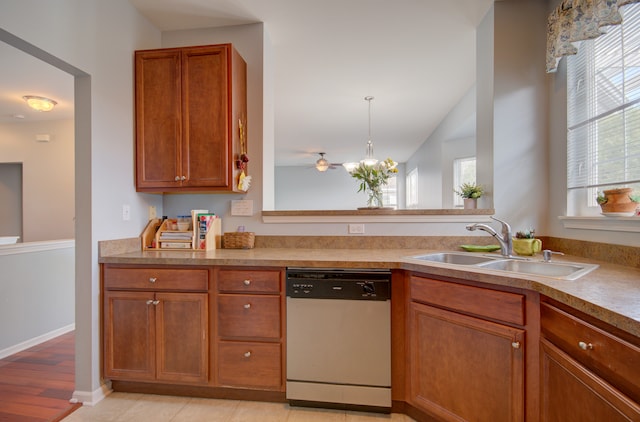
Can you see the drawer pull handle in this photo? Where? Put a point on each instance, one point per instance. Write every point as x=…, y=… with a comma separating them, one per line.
x=152, y=279
x=585, y=346
x=247, y=354
x=149, y=302
x=247, y=305
x=247, y=282
x=515, y=344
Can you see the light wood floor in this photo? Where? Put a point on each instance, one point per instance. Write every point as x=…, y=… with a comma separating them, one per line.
x=36, y=384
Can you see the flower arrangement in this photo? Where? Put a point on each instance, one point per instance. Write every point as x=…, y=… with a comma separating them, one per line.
x=470, y=191
x=372, y=178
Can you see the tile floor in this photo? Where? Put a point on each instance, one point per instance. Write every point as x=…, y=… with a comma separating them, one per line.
x=125, y=407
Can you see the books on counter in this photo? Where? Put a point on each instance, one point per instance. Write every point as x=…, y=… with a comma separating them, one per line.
x=207, y=231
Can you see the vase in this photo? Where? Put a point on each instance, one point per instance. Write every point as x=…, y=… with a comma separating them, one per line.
x=470, y=203
x=375, y=198
x=526, y=246
x=618, y=201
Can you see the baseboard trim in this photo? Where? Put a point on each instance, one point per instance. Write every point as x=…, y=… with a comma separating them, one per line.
x=91, y=398
x=36, y=340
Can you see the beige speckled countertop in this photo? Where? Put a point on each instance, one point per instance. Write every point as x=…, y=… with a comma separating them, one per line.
x=610, y=293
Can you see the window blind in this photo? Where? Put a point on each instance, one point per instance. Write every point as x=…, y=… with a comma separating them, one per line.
x=603, y=108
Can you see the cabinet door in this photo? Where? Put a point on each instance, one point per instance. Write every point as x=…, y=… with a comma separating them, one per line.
x=570, y=392
x=129, y=335
x=206, y=131
x=465, y=368
x=182, y=331
x=158, y=119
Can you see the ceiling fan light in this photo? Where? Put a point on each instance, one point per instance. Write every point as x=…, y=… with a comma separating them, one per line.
x=40, y=103
x=322, y=164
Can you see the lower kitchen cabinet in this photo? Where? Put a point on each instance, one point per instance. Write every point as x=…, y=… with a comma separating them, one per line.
x=463, y=366
x=250, y=328
x=155, y=335
x=587, y=373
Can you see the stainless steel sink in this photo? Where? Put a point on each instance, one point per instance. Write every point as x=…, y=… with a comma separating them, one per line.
x=455, y=258
x=560, y=270
x=566, y=271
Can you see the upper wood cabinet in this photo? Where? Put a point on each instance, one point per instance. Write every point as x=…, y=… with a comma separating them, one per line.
x=190, y=103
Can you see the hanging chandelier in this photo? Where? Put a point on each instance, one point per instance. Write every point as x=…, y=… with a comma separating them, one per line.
x=368, y=160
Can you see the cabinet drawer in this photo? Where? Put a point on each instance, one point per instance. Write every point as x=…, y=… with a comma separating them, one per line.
x=612, y=358
x=249, y=316
x=249, y=281
x=155, y=278
x=493, y=304
x=248, y=364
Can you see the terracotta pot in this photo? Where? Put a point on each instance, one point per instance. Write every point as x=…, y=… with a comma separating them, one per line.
x=618, y=201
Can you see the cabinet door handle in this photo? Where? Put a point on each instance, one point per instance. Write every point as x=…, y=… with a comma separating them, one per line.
x=515, y=344
x=152, y=279
x=247, y=282
x=247, y=354
x=585, y=346
x=183, y=178
x=247, y=305
x=149, y=302
x=177, y=179
x=155, y=302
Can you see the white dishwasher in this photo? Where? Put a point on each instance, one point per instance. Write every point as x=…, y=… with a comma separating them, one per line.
x=339, y=338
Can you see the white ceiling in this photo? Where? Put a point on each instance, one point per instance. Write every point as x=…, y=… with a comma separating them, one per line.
x=416, y=57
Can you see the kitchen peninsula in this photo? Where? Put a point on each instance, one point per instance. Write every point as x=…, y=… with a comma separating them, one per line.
x=523, y=320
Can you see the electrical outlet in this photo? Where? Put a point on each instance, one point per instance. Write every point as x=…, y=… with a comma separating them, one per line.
x=356, y=228
x=153, y=213
x=126, y=213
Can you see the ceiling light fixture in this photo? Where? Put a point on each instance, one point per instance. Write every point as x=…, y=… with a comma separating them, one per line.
x=368, y=160
x=322, y=164
x=39, y=103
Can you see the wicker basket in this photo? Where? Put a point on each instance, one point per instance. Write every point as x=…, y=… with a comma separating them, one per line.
x=239, y=240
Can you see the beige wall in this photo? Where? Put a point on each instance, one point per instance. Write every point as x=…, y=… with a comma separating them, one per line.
x=47, y=179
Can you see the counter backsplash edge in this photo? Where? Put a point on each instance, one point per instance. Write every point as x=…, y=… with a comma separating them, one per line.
x=615, y=254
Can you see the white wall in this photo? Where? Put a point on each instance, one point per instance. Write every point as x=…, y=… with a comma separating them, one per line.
x=36, y=301
x=305, y=188
x=48, y=176
x=512, y=113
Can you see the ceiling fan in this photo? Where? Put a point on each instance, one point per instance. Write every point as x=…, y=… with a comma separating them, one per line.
x=323, y=165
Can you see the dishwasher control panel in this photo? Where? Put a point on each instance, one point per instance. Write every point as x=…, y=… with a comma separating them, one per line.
x=338, y=284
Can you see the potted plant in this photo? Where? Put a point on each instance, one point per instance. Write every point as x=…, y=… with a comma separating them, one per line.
x=618, y=201
x=525, y=243
x=470, y=192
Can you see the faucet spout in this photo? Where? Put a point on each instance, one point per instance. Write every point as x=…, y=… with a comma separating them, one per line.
x=505, y=241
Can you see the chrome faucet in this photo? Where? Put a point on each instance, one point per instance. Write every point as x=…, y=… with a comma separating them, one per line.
x=506, y=243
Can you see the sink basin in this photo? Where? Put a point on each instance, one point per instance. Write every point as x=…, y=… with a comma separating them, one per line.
x=566, y=271
x=561, y=270
x=455, y=258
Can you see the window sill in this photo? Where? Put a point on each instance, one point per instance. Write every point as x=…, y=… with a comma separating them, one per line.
x=379, y=216
x=619, y=224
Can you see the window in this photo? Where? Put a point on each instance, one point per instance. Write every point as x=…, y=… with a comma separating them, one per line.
x=390, y=193
x=603, y=114
x=464, y=171
x=412, y=189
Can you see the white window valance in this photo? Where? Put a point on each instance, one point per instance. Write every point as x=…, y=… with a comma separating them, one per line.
x=578, y=20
